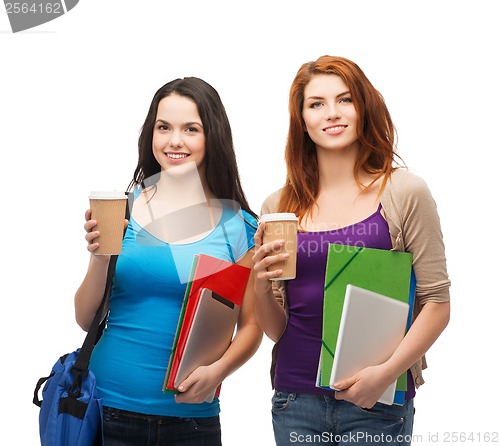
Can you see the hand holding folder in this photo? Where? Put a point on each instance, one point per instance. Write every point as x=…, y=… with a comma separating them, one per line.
x=210, y=308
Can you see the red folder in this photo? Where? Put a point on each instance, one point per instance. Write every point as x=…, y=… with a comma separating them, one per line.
x=227, y=279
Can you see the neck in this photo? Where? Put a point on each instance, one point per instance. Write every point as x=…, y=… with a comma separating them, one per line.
x=336, y=168
x=179, y=209
x=181, y=186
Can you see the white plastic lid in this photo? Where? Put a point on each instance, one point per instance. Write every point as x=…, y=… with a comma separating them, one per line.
x=107, y=195
x=279, y=216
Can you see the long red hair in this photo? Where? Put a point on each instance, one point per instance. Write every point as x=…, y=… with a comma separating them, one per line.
x=376, y=134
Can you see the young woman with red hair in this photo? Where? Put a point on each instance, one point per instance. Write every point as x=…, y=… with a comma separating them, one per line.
x=346, y=186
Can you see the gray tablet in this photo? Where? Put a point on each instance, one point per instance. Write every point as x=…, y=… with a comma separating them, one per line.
x=210, y=335
x=371, y=328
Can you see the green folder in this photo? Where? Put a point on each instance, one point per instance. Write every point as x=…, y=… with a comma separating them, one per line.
x=382, y=271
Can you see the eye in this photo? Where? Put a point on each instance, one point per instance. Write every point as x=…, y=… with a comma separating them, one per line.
x=162, y=127
x=316, y=104
x=192, y=129
x=346, y=100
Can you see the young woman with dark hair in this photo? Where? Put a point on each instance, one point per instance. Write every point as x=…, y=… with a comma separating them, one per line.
x=187, y=201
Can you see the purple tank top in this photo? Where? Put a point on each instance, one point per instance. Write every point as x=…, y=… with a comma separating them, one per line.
x=299, y=347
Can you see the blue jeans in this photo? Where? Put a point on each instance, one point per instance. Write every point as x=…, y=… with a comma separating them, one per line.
x=316, y=419
x=123, y=428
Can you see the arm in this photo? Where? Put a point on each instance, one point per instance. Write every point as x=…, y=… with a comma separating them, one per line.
x=89, y=295
x=422, y=236
x=245, y=343
x=270, y=313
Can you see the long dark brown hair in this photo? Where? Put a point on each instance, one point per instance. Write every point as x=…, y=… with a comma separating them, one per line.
x=376, y=134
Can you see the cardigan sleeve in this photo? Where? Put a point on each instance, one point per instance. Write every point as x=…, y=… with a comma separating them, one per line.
x=270, y=204
x=420, y=230
x=414, y=224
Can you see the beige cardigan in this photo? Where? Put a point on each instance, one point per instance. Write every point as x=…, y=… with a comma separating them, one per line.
x=410, y=211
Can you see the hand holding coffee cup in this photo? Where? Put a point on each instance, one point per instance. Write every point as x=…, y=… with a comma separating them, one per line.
x=108, y=210
x=282, y=226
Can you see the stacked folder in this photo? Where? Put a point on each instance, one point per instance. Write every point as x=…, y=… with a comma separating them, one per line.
x=388, y=273
x=208, y=317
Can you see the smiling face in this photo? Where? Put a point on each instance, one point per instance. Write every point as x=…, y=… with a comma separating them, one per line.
x=178, y=135
x=329, y=115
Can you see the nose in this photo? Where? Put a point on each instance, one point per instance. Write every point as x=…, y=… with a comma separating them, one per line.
x=176, y=140
x=332, y=112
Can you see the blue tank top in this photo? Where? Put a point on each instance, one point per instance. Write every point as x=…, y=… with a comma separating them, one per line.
x=131, y=358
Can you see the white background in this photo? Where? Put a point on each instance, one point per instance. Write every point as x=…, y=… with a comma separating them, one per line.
x=74, y=93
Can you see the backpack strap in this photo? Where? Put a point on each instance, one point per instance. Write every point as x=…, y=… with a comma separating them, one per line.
x=97, y=326
x=95, y=331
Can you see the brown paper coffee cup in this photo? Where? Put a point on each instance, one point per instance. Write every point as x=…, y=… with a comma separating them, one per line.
x=282, y=226
x=108, y=209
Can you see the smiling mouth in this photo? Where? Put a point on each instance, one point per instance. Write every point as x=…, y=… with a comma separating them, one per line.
x=177, y=156
x=336, y=128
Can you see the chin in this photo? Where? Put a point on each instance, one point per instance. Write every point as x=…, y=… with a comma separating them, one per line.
x=181, y=169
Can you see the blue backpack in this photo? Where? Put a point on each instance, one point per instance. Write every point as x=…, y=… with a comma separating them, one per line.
x=70, y=409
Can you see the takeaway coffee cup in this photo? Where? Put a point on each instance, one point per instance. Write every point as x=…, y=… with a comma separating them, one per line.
x=282, y=226
x=108, y=209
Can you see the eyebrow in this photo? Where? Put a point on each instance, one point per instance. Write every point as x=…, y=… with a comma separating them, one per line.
x=185, y=124
x=345, y=93
x=321, y=97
